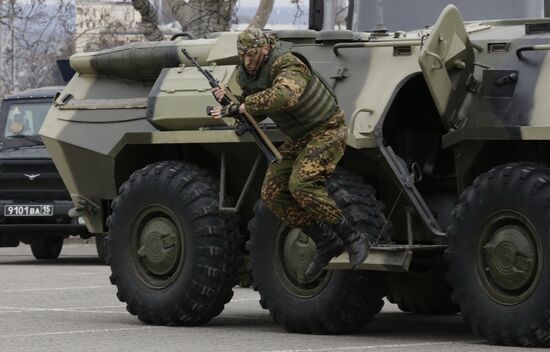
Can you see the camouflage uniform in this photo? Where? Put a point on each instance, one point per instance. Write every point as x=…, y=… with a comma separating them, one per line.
x=294, y=189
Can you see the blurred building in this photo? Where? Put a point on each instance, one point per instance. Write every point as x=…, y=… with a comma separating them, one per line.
x=105, y=23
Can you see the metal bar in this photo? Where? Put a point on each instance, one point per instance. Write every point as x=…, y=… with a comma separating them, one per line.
x=406, y=180
x=542, y=47
x=375, y=44
x=546, y=8
x=395, y=258
x=316, y=14
x=412, y=248
x=410, y=236
x=349, y=18
x=377, y=261
x=248, y=182
x=246, y=186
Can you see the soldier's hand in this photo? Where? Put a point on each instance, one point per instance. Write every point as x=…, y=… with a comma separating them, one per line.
x=216, y=112
x=231, y=110
x=219, y=93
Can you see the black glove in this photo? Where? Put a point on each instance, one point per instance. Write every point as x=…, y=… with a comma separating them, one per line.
x=231, y=110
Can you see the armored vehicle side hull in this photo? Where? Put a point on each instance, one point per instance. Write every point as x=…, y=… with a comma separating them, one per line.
x=175, y=190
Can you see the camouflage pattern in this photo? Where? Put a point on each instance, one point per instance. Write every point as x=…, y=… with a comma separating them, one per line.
x=289, y=92
x=252, y=37
x=272, y=39
x=290, y=79
x=294, y=189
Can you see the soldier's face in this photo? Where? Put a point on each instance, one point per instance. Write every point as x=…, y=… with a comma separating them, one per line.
x=252, y=58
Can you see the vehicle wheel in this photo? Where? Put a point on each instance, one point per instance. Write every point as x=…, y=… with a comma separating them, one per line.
x=245, y=272
x=425, y=292
x=47, y=247
x=499, y=255
x=101, y=248
x=335, y=302
x=173, y=255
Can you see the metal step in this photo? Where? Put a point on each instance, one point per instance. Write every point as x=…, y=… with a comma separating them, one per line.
x=396, y=258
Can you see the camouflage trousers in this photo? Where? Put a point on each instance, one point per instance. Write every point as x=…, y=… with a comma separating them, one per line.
x=294, y=189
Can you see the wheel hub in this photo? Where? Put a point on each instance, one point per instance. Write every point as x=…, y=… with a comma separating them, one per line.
x=159, y=246
x=293, y=251
x=298, y=252
x=510, y=256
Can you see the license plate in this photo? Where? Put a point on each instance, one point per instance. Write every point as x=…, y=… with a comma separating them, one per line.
x=28, y=210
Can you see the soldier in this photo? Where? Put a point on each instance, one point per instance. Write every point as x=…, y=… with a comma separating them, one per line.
x=282, y=85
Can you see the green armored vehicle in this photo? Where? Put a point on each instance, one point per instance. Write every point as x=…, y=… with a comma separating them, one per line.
x=447, y=156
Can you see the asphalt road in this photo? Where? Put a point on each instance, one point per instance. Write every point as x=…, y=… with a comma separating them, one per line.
x=69, y=305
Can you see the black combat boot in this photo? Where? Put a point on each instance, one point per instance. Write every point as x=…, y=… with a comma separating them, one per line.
x=328, y=246
x=355, y=244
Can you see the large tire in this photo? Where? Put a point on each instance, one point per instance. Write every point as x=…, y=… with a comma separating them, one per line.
x=336, y=302
x=173, y=255
x=101, y=248
x=425, y=292
x=47, y=247
x=499, y=255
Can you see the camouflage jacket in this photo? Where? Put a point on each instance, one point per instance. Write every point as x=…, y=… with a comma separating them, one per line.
x=290, y=78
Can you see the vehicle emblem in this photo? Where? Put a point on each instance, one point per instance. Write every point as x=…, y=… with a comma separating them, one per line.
x=32, y=176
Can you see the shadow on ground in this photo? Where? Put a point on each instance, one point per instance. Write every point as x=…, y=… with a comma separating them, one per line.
x=386, y=325
x=64, y=260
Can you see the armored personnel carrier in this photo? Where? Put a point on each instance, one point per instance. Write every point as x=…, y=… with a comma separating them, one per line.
x=447, y=155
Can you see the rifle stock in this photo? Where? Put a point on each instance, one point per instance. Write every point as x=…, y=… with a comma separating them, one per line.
x=262, y=140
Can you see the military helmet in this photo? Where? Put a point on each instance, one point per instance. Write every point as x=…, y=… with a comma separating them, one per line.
x=252, y=37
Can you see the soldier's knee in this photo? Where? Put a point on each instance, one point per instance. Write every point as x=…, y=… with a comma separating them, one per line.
x=295, y=187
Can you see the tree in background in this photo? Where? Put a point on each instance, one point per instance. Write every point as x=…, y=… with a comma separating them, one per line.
x=105, y=24
x=33, y=34
x=202, y=17
x=263, y=12
x=299, y=9
x=342, y=14
x=149, y=20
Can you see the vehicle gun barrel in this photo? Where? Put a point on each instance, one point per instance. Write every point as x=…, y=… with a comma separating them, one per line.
x=140, y=61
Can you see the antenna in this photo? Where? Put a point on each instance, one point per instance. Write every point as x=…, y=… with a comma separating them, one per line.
x=380, y=29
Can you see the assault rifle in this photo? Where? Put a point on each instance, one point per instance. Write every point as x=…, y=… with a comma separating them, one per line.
x=246, y=120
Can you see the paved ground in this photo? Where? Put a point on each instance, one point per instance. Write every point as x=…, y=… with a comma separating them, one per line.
x=69, y=305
